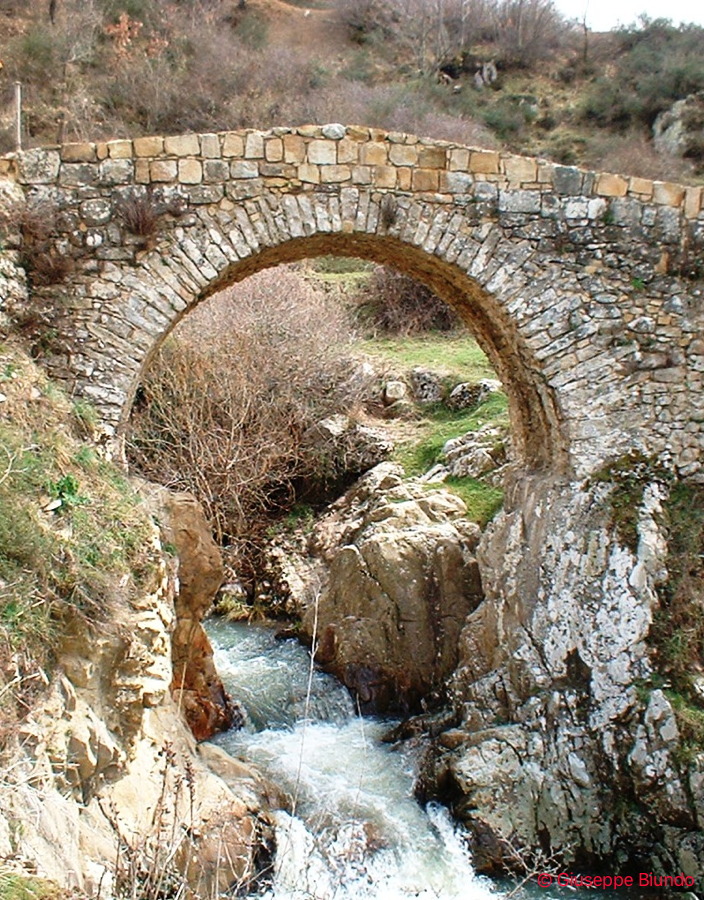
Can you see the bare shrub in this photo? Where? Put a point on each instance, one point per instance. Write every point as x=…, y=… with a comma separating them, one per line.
x=224, y=406
x=527, y=30
x=392, y=303
x=634, y=154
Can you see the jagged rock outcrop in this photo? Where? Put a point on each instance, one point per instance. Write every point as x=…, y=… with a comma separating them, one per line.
x=680, y=129
x=196, y=685
x=343, y=449
x=566, y=742
x=105, y=786
x=390, y=580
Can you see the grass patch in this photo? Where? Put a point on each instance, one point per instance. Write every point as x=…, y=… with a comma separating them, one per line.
x=455, y=354
x=482, y=500
x=20, y=887
x=678, y=627
x=442, y=424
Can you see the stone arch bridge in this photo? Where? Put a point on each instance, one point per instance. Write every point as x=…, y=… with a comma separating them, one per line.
x=585, y=291
x=573, y=282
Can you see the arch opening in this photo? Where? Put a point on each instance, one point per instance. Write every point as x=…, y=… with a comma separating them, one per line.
x=538, y=436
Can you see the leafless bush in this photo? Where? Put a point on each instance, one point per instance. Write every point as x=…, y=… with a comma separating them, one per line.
x=527, y=30
x=429, y=32
x=224, y=406
x=634, y=154
x=392, y=303
x=36, y=224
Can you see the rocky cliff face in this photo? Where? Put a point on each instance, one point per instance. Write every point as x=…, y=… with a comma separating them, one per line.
x=196, y=686
x=106, y=788
x=566, y=743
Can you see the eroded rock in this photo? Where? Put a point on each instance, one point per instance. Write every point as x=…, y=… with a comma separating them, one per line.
x=393, y=576
x=196, y=685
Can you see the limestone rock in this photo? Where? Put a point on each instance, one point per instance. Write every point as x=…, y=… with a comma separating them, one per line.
x=476, y=453
x=196, y=684
x=467, y=395
x=349, y=447
x=399, y=579
x=395, y=390
x=427, y=386
x=680, y=129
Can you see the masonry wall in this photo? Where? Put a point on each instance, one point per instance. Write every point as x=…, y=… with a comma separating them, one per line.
x=581, y=286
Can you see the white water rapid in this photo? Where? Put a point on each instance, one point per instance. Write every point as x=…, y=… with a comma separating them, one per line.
x=354, y=830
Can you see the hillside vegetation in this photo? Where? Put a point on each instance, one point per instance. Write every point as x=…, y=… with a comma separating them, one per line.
x=509, y=73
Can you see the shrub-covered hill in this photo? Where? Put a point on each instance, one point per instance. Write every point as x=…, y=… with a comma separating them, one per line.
x=511, y=73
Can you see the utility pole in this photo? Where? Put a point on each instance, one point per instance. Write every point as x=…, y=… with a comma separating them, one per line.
x=18, y=115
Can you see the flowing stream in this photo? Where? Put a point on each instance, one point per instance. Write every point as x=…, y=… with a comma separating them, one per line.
x=353, y=831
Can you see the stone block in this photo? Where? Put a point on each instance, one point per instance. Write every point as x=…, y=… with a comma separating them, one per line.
x=309, y=174
x=311, y=131
x=404, y=178
x=519, y=201
x=642, y=186
x=456, y=182
x=425, y=179
x=141, y=171
x=294, y=148
x=432, y=157
x=244, y=169
x=356, y=133
x=182, y=145
x=459, y=160
x=77, y=174
x=374, y=154
x=484, y=161
x=334, y=174
x=334, y=131
x=566, y=180
x=79, y=152
x=576, y=208
x=210, y=146
x=96, y=212
x=693, y=202
x=148, y=146
x=120, y=149
x=546, y=172
x=116, y=171
x=608, y=185
x=232, y=144
x=254, y=145
x=216, y=170
x=205, y=193
x=384, y=176
x=665, y=193
x=163, y=170
x=38, y=166
x=362, y=174
x=403, y=155
x=322, y=153
x=485, y=191
x=190, y=171
x=273, y=150
x=519, y=169
x=348, y=152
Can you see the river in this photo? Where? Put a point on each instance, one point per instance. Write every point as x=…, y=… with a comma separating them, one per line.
x=353, y=830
